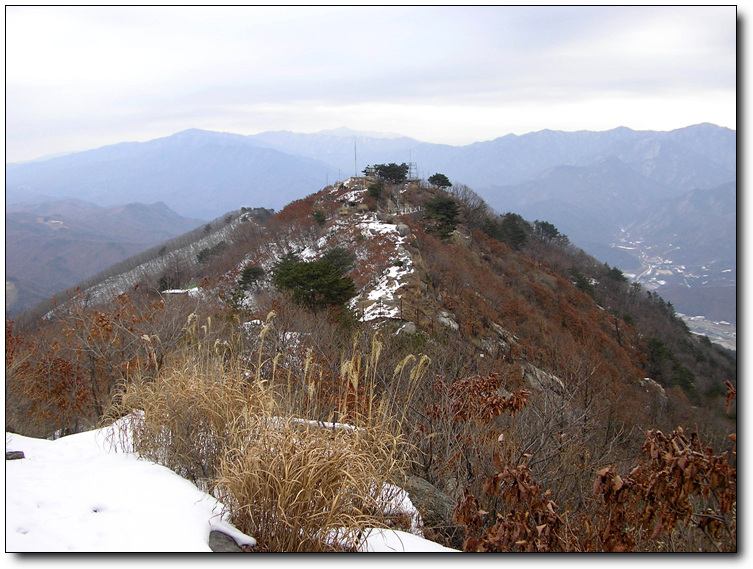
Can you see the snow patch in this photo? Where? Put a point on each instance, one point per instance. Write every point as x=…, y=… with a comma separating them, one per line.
x=77, y=494
x=88, y=493
x=193, y=292
x=395, y=541
x=381, y=299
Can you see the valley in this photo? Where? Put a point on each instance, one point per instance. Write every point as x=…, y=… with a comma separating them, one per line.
x=52, y=246
x=704, y=295
x=722, y=332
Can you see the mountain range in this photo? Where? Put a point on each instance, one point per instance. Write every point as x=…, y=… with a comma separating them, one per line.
x=602, y=189
x=196, y=173
x=52, y=246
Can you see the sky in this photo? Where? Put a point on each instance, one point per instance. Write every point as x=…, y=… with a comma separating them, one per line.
x=83, y=77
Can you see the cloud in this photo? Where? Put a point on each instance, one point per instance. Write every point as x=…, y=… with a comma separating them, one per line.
x=73, y=72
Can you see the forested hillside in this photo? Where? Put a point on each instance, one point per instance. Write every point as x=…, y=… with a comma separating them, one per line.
x=530, y=397
x=52, y=246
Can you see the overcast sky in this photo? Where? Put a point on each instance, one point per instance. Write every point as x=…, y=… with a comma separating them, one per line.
x=82, y=77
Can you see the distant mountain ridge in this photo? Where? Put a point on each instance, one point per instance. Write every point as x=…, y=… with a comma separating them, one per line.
x=196, y=173
x=591, y=185
x=708, y=151
x=52, y=246
x=273, y=168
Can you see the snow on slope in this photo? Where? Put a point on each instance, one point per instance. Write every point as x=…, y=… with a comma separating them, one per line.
x=78, y=494
x=73, y=494
x=382, y=265
x=380, y=300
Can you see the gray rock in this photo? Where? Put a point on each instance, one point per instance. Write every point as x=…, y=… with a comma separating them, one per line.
x=657, y=391
x=505, y=339
x=541, y=380
x=14, y=454
x=434, y=505
x=407, y=328
x=447, y=319
x=402, y=229
x=222, y=543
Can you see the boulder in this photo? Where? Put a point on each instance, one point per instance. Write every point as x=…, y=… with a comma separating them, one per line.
x=407, y=328
x=222, y=543
x=448, y=320
x=402, y=229
x=434, y=505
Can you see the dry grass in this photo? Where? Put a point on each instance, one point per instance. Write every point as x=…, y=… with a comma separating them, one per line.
x=240, y=430
x=300, y=487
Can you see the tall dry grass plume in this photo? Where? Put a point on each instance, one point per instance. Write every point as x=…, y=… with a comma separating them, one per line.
x=294, y=470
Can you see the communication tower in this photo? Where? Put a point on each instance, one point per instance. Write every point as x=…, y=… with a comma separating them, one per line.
x=412, y=172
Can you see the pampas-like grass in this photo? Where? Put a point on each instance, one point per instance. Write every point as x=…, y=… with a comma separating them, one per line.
x=292, y=481
x=301, y=487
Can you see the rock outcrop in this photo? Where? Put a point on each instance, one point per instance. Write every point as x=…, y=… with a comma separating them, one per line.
x=222, y=543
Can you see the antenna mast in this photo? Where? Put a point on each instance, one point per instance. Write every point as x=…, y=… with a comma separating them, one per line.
x=412, y=168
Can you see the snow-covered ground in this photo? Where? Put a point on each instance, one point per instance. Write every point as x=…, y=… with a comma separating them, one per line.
x=721, y=332
x=79, y=494
x=382, y=299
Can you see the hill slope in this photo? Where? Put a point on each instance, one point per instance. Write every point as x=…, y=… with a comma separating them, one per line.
x=52, y=246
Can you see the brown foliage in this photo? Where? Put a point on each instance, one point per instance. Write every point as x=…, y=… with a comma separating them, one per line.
x=530, y=525
x=477, y=398
x=63, y=377
x=679, y=487
x=43, y=394
x=681, y=482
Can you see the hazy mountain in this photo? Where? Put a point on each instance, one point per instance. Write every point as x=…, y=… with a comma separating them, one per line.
x=591, y=185
x=273, y=168
x=684, y=167
x=347, y=151
x=196, y=173
x=694, y=227
x=701, y=156
x=52, y=246
x=717, y=143
x=609, y=192
x=698, y=156
x=687, y=249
